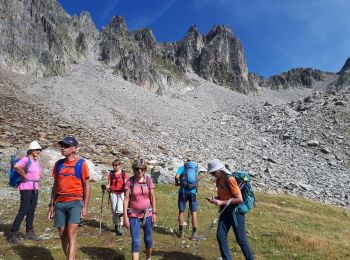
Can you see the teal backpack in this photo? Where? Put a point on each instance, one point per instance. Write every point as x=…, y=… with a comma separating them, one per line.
x=244, y=182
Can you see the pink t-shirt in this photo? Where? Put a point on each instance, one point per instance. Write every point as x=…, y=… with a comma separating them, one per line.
x=140, y=200
x=33, y=174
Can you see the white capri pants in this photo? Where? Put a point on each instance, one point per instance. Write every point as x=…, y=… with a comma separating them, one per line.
x=117, y=201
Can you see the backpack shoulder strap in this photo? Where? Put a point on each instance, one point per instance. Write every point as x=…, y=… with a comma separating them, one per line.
x=148, y=181
x=59, y=165
x=227, y=177
x=132, y=184
x=123, y=177
x=111, y=175
x=183, y=176
x=78, y=168
x=28, y=164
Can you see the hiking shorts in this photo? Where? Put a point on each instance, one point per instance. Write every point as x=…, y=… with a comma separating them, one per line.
x=192, y=201
x=67, y=213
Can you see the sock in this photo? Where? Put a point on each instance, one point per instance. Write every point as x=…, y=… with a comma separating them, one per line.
x=194, y=230
x=180, y=228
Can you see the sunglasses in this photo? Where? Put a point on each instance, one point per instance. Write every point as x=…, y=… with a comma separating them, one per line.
x=65, y=146
x=38, y=150
x=138, y=169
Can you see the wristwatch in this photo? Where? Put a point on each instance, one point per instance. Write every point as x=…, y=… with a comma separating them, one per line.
x=154, y=213
x=50, y=204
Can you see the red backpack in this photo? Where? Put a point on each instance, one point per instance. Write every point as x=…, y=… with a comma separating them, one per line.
x=114, y=181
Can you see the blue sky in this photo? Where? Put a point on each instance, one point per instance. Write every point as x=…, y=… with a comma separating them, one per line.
x=277, y=35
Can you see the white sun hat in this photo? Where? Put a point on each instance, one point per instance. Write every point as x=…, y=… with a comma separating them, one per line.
x=34, y=146
x=217, y=165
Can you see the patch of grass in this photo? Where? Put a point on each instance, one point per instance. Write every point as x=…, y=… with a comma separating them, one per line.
x=279, y=227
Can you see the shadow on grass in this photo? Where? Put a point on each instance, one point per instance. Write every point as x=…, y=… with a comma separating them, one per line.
x=32, y=252
x=176, y=255
x=163, y=231
x=6, y=228
x=102, y=253
x=95, y=224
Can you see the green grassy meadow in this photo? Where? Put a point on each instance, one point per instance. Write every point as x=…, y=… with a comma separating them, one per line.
x=279, y=227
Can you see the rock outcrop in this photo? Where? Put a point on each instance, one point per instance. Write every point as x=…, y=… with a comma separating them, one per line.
x=135, y=57
x=39, y=37
x=296, y=78
x=217, y=57
x=344, y=76
x=222, y=60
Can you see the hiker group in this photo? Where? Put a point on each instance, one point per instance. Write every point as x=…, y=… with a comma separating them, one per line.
x=132, y=199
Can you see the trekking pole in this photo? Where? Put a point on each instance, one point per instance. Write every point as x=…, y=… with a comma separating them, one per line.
x=103, y=187
x=206, y=233
x=188, y=218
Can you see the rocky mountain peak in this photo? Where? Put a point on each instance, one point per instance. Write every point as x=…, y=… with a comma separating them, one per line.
x=36, y=37
x=295, y=78
x=118, y=25
x=219, y=31
x=345, y=68
x=223, y=62
x=344, y=76
x=192, y=32
x=40, y=38
x=145, y=38
x=57, y=40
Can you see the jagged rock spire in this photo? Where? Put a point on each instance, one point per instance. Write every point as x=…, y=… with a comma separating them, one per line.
x=345, y=67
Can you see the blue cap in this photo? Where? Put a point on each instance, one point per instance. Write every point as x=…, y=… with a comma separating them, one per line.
x=69, y=141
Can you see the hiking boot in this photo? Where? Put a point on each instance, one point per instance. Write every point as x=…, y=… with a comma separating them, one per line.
x=181, y=234
x=30, y=235
x=195, y=236
x=14, y=238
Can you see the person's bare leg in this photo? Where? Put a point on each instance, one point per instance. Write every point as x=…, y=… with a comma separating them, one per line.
x=135, y=256
x=72, y=237
x=194, y=219
x=64, y=239
x=181, y=219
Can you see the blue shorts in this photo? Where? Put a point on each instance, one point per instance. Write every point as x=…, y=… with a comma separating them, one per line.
x=67, y=213
x=192, y=201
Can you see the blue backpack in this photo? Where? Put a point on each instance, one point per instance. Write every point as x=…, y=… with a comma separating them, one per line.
x=14, y=177
x=77, y=168
x=189, y=178
x=77, y=173
x=244, y=182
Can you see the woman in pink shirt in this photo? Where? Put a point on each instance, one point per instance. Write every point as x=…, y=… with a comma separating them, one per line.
x=140, y=208
x=29, y=168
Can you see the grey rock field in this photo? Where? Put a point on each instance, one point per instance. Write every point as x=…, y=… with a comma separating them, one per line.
x=124, y=95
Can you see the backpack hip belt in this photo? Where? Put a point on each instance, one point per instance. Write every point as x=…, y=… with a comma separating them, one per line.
x=140, y=211
x=117, y=191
